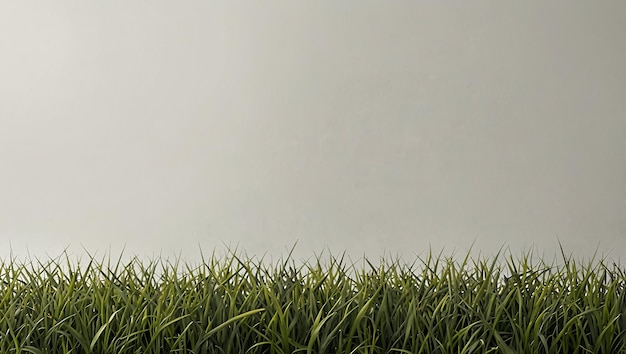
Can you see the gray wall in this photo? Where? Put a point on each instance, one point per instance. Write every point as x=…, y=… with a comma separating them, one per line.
x=358, y=126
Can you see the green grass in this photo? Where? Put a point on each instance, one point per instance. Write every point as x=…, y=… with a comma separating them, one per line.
x=235, y=304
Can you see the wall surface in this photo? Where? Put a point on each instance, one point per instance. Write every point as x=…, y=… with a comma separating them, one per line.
x=368, y=127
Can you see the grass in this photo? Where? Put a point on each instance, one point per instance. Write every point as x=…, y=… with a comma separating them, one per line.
x=235, y=304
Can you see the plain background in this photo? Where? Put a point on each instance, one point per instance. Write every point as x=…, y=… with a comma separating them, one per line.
x=370, y=127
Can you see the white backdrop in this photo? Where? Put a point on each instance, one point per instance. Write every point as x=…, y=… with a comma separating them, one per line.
x=358, y=126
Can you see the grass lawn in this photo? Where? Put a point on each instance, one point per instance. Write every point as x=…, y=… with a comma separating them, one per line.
x=236, y=304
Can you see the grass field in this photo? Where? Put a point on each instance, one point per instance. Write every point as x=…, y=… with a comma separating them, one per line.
x=236, y=304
